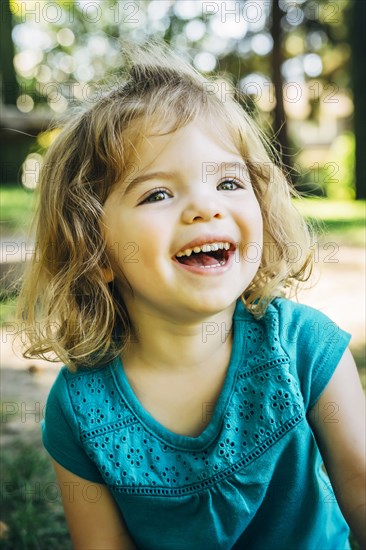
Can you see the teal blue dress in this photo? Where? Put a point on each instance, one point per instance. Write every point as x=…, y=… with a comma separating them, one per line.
x=253, y=479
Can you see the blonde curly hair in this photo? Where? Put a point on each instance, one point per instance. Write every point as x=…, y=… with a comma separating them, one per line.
x=65, y=307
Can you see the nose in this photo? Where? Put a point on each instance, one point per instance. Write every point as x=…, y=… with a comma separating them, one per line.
x=202, y=209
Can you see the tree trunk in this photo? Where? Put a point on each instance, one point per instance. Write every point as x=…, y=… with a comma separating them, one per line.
x=358, y=43
x=280, y=125
x=9, y=84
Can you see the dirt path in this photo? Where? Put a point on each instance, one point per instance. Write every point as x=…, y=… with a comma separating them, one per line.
x=339, y=292
x=340, y=289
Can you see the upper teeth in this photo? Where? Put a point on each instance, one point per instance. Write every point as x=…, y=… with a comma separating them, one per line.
x=204, y=248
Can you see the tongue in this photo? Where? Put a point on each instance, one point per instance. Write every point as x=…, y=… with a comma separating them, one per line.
x=200, y=259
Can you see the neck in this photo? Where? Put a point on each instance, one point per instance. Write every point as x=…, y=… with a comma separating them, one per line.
x=184, y=347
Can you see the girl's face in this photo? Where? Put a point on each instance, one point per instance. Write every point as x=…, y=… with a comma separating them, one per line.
x=185, y=228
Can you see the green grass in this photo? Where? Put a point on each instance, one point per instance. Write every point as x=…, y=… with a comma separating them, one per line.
x=31, y=501
x=351, y=211
x=342, y=221
x=17, y=204
x=7, y=309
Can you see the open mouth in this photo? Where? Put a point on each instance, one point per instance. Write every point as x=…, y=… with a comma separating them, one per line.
x=206, y=257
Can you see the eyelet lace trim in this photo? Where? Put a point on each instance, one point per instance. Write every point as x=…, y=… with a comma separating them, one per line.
x=265, y=405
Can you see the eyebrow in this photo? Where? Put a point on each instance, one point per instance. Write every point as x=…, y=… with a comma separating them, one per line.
x=150, y=176
x=222, y=166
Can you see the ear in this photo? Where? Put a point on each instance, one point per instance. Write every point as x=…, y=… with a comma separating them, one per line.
x=108, y=274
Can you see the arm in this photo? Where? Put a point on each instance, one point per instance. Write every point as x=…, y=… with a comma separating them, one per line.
x=92, y=515
x=341, y=440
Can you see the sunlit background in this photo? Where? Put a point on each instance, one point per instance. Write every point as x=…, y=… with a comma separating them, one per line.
x=300, y=68
x=63, y=48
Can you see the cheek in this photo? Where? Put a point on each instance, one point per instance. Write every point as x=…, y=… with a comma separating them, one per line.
x=134, y=240
x=123, y=234
x=251, y=221
x=138, y=248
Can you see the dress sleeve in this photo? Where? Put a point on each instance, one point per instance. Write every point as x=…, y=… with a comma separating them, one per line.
x=61, y=434
x=314, y=343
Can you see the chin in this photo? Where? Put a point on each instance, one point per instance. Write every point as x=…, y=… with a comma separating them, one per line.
x=213, y=304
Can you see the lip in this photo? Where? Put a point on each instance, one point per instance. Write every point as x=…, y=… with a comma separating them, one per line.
x=208, y=239
x=219, y=270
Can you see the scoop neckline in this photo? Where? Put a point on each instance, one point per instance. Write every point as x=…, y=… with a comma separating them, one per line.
x=211, y=431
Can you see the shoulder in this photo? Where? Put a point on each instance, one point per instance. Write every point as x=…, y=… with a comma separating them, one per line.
x=306, y=327
x=289, y=311
x=314, y=343
x=311, y=341
x=74, y=406
x=73, y=393
x=284, y=309
x=72, y=384
x=292, y=322
x=58, y=396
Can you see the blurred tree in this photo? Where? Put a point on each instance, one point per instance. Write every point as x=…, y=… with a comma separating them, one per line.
x=267, y=48
x=9, y=84
x=358, y=42
x=280, y=122
x=13, y=148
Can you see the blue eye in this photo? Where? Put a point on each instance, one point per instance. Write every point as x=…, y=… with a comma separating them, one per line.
x=156, y=196
x=230, y=185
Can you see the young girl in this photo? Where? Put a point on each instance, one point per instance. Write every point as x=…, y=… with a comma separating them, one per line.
x=196, y=397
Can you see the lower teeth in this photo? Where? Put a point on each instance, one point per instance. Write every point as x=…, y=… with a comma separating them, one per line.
x=222, y=262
